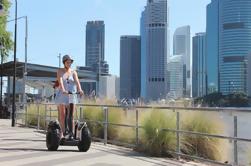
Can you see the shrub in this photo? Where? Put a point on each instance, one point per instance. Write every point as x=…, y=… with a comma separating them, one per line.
x=114, y=116
x=92, y=114
x=97, y=114
x=249, y=157
x=155, y=141
x=205, y=147
x=127, y=134
x=32, y=115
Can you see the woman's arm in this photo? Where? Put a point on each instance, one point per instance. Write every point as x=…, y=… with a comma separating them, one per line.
x=60, y=80
x=75, y=76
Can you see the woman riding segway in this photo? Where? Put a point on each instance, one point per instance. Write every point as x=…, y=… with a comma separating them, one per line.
x=66, y=98
x=68, y=83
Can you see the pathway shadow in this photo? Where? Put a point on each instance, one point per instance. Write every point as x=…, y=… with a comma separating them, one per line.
x=36, y=150
x=136, y=155
x=29, y=140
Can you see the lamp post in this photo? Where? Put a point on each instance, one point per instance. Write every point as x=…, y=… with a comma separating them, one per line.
x=59, y=60
x=14, y=72
x=14, y=65
x=25, y=64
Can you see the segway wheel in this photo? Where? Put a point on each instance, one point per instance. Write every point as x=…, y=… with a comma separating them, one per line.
x=52, y=141
x=85, y=142
x=53, y=136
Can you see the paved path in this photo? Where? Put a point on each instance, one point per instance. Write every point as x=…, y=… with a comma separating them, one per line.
x=26, y=147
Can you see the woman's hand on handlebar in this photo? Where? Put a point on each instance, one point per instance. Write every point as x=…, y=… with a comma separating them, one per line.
x=65, y=92
x=81, y=93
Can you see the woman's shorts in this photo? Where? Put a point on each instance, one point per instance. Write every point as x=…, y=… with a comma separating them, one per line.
x=65, y=99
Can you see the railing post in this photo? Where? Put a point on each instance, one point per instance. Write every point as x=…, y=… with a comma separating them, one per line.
x=178, y=135
x=26, y=116
x=105, y=124
x=137, y=127
x=235, y=142
x=50, y=113
x=38, y=118
x=37, y=112
x=81, y=115
x=45, y=116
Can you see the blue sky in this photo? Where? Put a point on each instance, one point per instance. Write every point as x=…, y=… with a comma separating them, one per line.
x=58, y=26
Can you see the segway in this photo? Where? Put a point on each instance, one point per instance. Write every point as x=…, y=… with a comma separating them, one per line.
x=81, y=136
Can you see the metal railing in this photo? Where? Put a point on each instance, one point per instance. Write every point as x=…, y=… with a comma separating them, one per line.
x=177, y=131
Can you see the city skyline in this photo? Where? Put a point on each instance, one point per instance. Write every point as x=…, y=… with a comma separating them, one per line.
x=61, y=29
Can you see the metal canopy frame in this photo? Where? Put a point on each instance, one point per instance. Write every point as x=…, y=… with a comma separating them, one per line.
x=42, y=71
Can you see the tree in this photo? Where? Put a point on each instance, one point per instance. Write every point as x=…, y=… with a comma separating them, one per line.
x=5, y=36
x=211, y=100
x=218, y=100
x=237, y=99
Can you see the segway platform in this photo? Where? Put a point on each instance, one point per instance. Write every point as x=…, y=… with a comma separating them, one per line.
x=65, y=142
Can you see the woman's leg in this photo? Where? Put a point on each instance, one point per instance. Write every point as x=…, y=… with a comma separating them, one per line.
x=59, y=120
x=62, y=117
x=58, y=114
x=71, y=118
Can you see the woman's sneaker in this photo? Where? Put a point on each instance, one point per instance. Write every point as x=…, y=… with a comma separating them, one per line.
x=69, y=136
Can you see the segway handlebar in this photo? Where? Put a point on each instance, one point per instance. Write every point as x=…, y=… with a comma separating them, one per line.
x=71, y=93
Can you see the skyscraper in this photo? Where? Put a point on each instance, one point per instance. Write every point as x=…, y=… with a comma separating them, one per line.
x=212, y=57
x=130, y=76
x=154, y=49
x=199, y=65
x=234, y=42
x=181, y=46
x=176, y=71
x=95, y=46
x=143, y=56
x=249, y=74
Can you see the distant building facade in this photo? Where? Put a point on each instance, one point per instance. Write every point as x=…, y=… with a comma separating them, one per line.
x=199, y=65
x=229, y=43
x=95, y=47
x=181, y=46
x=212, y=57
x=154, y=49
x=108, y=87
x=130, y=67
x=176, y=75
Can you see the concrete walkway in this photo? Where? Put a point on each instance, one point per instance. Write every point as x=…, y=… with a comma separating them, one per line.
x=26, y=147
